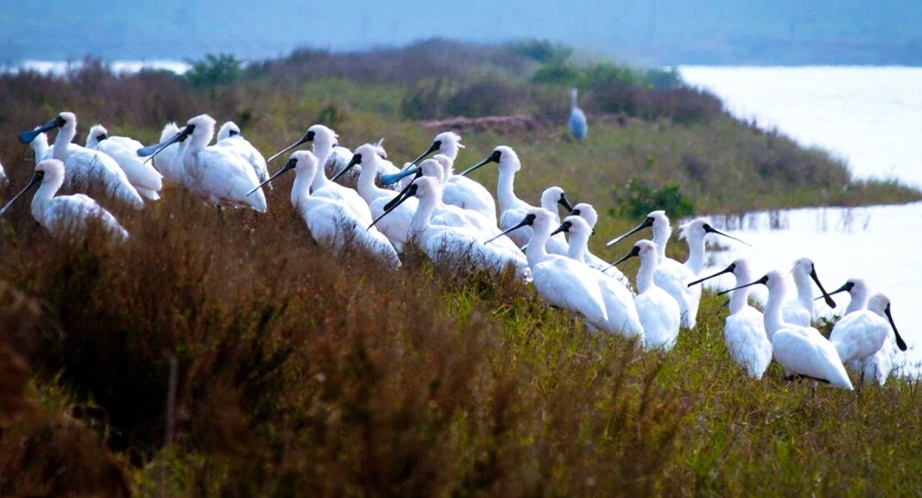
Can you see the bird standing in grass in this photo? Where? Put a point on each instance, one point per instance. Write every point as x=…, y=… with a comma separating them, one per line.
x=802, y=351
x=744, y=331
x=559, y=280
x=511, y=208
x=860, y=335
x=85, y=167
x=577, y=123
x=142, y=175
x=219, y=175
x=670, y=275
x=331, y=221
x=229, y=136
x=658, y=311
x=619, y=302
x=67, y=215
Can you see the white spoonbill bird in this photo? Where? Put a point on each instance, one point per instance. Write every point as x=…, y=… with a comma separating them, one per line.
x=332, y=223
x=559, y=280
x=449, y=215
x=587, y=212
x=577, y=122
x=167, y=161
x=879, y=366
x=670, y=275
x=229, y=136
x=801, y=351
x=396, y=225
x=441, y=241
x=800, y=310
x=460, y=190
x=465, y=193
x=446, y=142
x=860, y=335
x=744, y=329
x=511, y=208
x=323, y=141
x=658, y=311
x=145, y=179
x=554, y=197
x=858, y=292
x=84, y=166
x=619, y=302
x=64, y=216
x=218, y=175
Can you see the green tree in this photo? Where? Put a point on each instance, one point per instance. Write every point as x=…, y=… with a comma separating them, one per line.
x=214, y=70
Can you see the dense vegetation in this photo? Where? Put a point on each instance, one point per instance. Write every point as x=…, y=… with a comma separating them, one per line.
x=302, y=373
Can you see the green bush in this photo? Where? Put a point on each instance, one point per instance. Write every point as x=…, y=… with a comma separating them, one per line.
x=558, y=74
x=542, y=51
x=637, y=199
x=214, y=70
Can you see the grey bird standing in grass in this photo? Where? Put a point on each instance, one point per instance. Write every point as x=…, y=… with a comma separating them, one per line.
x=577, y=123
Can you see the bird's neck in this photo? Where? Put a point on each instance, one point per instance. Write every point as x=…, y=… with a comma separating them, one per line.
x=739, y=298
x=420, y=221
x=43, y=196
x=859, y=302
x=199, y=141
x=62, y=141
x=804, y=290
x=696, y=252
x=661, y=238
x=366, y=184
x=320, y=178
x=772, y=312
x=505, y=192
x=553, y=207
x=300, y=190
x=322, y=151
x=645, y=274
x=579, y=242
x=40, y=146
x=537, y=246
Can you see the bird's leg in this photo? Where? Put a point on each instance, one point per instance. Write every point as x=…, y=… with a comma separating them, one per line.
x=861, y=379
x=813, y=389
x=221, y=216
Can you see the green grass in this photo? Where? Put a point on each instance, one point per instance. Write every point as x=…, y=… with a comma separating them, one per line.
x=303, y=372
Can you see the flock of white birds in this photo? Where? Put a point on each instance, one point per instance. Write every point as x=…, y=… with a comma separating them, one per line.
x=449, y=215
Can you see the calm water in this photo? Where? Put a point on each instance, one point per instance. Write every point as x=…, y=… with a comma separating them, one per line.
x=870, y=117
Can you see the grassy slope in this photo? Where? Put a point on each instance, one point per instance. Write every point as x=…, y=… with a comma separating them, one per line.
x=302, y=375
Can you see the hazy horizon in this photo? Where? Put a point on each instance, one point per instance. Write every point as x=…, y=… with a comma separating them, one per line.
x=647, y=32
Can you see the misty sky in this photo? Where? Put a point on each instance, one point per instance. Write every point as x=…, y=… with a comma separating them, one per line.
x=661, y=31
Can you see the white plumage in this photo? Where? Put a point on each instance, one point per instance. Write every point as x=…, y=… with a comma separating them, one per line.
x=65, y=216
x=84, y=167
x=801, y=351
x=440, y=241
x=511, y=208
x=744, y=329
x=229, y=136
x=658, y=311
x=619, y=302
x=142, y=175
